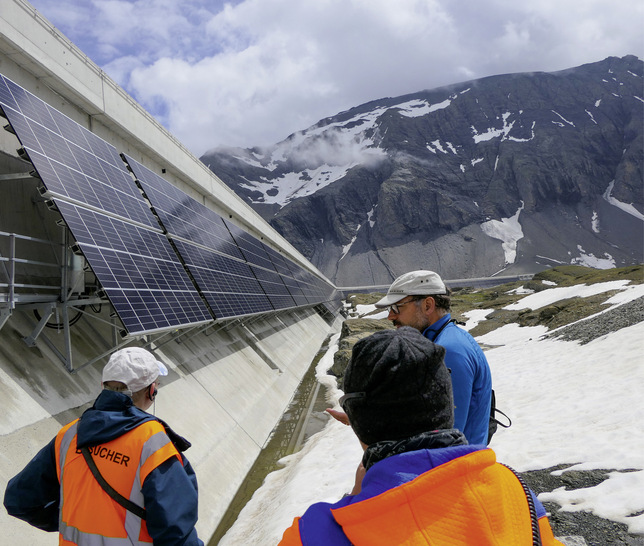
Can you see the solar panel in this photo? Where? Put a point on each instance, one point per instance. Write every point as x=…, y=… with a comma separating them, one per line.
x=253, y=250
x=295, y=290
x=223, y=280
x=181, y=215
x=274, y=287
x=72, y=170
x=207, y=248
x=281, y=284
x=138, y=270
x=107, y=215
x=262, y=255
x=313, y=287
x=282, y=266
x=279, y=262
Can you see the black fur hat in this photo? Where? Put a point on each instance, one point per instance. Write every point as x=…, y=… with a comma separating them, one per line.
x=396, y=386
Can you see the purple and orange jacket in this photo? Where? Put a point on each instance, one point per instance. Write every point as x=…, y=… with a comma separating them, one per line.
x=441, y=497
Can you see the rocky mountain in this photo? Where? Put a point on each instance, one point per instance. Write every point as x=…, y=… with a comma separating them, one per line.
x=513, y=173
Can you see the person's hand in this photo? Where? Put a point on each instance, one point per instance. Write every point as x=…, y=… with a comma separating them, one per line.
x=339, y=416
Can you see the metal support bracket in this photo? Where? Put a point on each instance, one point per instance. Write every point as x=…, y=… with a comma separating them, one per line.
x=255, y=344
x=5, y=313
x=30, y=340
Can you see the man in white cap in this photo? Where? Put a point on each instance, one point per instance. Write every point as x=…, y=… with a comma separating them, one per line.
x=118, y=474
x=421, y=300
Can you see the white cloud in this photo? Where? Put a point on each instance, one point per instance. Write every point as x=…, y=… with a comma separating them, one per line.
x=251, y=72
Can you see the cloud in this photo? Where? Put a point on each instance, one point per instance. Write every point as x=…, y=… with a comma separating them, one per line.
x=251, y=72
x=336, y=148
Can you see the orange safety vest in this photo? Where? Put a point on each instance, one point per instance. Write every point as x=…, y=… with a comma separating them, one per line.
x=469, y=500
x=88, y=515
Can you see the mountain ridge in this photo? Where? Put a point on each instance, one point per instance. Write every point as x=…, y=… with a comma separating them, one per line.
x=510, y=173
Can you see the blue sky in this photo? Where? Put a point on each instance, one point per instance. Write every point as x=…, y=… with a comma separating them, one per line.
x=250, y=72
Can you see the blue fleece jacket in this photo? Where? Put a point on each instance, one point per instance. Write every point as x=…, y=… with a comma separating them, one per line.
x=471, y=379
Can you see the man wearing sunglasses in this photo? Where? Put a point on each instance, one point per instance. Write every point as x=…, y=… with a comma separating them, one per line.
x=421, y=300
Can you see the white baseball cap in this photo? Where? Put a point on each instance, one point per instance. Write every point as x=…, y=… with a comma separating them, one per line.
x=414, y=283
x=135, y=367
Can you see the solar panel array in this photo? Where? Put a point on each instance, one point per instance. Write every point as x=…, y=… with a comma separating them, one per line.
x=234, y=270
x=163, y=259
x=107, y=215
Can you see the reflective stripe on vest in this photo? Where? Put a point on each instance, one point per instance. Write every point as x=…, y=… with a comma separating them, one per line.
x=125, y=463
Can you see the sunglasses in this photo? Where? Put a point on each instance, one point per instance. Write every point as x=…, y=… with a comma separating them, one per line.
x=395, y=307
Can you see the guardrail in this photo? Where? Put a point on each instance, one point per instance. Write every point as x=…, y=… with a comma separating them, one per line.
x=477, y=282
x=11, y=290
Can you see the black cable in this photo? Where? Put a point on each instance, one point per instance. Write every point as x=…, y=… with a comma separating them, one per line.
x=534, y=521
x=58, y=325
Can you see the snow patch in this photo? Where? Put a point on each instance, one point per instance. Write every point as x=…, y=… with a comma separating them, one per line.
x=346, y=248
x=437, y=146
x=370, y=216
x=563, y=118
x=626, y=207
x=507, y=230
x=520, y=290
x=553, y=295
x=475, y=316
x=604, y=500
x=292, y=185
x=503, y=132
x=595, y=222
x=590, y=260
x=421, y=107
